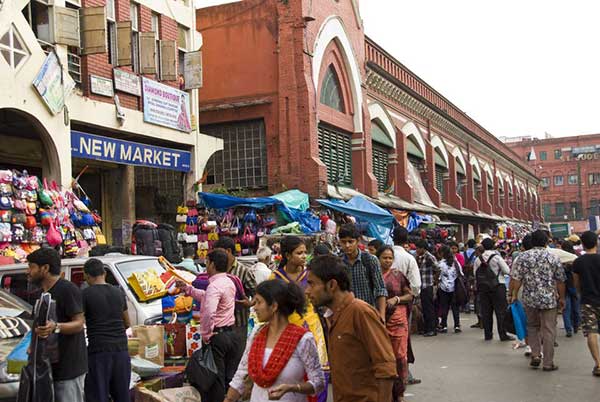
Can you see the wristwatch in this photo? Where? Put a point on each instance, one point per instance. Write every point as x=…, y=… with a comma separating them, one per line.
x=57, y=329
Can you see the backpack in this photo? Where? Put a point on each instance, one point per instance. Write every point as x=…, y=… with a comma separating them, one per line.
x=170, y=246
x=485, y=277
x=145, y=239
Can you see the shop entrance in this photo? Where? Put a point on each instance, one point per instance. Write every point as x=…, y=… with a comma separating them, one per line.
x=26, y=145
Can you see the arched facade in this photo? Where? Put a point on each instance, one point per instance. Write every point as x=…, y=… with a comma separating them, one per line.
x=333, y=29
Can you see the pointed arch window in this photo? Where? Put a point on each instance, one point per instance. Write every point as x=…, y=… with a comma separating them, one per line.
x=331, y=90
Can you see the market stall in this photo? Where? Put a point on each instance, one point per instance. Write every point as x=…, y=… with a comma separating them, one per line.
x=36, y=213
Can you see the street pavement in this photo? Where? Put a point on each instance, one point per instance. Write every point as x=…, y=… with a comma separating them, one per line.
x=465, y=368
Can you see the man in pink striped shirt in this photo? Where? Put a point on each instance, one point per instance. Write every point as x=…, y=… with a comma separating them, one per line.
x=217, y=306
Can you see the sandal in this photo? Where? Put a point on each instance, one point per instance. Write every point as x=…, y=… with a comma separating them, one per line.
x=554, y=367
x=596, y=371
x=535, y=362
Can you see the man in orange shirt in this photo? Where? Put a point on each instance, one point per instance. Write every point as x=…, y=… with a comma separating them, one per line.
x=362, y=361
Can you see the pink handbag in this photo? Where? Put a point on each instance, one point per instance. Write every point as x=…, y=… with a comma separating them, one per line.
x=53, y=236
x=248, y=238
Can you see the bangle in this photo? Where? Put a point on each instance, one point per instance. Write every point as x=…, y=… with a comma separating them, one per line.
x=299, y=388
x=397, y=300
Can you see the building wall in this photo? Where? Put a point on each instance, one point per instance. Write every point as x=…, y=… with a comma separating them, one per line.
x=282, y=50
x=564, y=164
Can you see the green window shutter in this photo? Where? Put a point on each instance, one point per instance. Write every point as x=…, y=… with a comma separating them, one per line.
x=335, y=151
x=380, y=165
x=439, y=180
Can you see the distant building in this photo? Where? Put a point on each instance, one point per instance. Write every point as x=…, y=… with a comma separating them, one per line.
x=569, y=170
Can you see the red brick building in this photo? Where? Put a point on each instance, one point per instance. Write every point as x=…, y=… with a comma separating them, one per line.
x=303, y=99
x=569, y=172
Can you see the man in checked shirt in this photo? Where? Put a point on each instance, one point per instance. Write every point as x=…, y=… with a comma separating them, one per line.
x=429, y=274
x=364, y=270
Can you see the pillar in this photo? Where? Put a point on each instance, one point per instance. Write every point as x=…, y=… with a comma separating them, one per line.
x=485, y=199
x=434, y=194
x=471, y=202
x=454, y=199
x=402, y=188
x=122, y=186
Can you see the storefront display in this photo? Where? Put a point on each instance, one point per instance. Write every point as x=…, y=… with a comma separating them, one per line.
x=34, y=213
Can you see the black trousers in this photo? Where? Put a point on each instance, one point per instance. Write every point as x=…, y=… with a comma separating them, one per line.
x=493, y=301
x=446, y=302
x=108, y=376
x=227, y=352
x=428, y=309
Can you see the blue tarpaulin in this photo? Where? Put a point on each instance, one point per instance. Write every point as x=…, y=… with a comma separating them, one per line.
x=380, y=221
x=309, y=223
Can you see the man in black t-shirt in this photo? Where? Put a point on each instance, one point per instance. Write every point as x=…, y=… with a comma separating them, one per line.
x=109, y=365
x=586, y=275
x=69, y=372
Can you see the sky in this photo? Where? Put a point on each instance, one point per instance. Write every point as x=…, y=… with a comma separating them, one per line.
x=517, y=67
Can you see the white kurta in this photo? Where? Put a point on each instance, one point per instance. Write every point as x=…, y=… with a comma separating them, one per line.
x=304, y=360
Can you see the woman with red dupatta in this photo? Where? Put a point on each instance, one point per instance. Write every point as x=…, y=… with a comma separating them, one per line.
x=280, y=358
x=396, y=316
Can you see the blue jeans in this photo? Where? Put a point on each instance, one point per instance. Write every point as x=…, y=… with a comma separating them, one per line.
x=572, y=311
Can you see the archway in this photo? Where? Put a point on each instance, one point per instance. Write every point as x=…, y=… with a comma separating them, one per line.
x=32, y=148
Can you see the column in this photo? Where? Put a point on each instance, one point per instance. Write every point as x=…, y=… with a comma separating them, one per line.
x=429, y=183
x=402, y=188
x=451, y=185
x=485, y=199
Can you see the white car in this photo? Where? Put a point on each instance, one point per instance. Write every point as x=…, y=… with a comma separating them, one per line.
x=119, y=267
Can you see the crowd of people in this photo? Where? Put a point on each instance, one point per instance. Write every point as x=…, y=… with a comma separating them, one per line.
x=337, y=320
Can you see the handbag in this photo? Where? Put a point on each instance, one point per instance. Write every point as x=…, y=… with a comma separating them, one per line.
x=191, y=238
x=248, y=238
x=44, y=194
x=213, y=236
x=201, y=370
x=181, y=218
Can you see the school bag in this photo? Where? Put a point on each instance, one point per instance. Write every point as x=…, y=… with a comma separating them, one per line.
x=485, y=277
x=170, y=246
x=145, y=239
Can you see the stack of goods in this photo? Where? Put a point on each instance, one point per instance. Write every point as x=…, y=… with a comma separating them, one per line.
x=148, y=238
x=33, y=214
x=202, y=227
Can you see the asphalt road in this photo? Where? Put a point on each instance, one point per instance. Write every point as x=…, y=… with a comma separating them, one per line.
x=465, y=368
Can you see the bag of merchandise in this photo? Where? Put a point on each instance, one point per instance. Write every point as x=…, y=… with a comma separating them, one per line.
x=182, y=394
x=151, y=343
x=193, y=339
x=175, y=340
x=144, y=368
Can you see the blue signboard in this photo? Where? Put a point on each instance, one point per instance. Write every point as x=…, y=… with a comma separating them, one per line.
x=100, y=148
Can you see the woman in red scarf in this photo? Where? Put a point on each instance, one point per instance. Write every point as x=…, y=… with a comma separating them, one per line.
x=280, y=358
x=396, y=316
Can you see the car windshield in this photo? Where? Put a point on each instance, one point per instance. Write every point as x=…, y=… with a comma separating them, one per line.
x=127, y=268
x=11, y=303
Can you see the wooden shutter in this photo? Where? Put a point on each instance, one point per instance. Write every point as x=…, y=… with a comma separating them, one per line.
x=93, y=30
x=124, y=43
x=148, y=52
x=335, y=151
x=66, y=26
x=380, y=156
x=168, y=60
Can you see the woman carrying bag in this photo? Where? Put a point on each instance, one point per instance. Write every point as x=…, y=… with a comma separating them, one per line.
x=280, y=358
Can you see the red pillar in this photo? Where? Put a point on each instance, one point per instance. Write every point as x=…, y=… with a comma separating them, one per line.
x=402, y=188
x=451, y=184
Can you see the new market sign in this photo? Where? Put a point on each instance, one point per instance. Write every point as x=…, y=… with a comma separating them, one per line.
x=107, y=149
x=587, y=153
x=166, y=106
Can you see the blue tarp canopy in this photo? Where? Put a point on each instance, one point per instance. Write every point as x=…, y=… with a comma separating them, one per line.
x=309, y=223
x=380, y=221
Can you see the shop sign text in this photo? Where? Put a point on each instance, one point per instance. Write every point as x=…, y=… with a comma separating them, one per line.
x=101, y=148
x=101, y=86
x=588, y=157
x=166, y=106
x=127, y=82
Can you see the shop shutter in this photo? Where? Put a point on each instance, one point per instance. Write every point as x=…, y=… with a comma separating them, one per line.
x=380, y=165
x=335, y=151
x=148, y=52
x=66, y=26
x=93, y=30
x=124, y=35
x=168, y=60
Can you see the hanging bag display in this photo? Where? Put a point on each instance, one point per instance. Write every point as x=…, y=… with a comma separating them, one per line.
x=53, y=236
x=248, y=238
x=44, y=195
